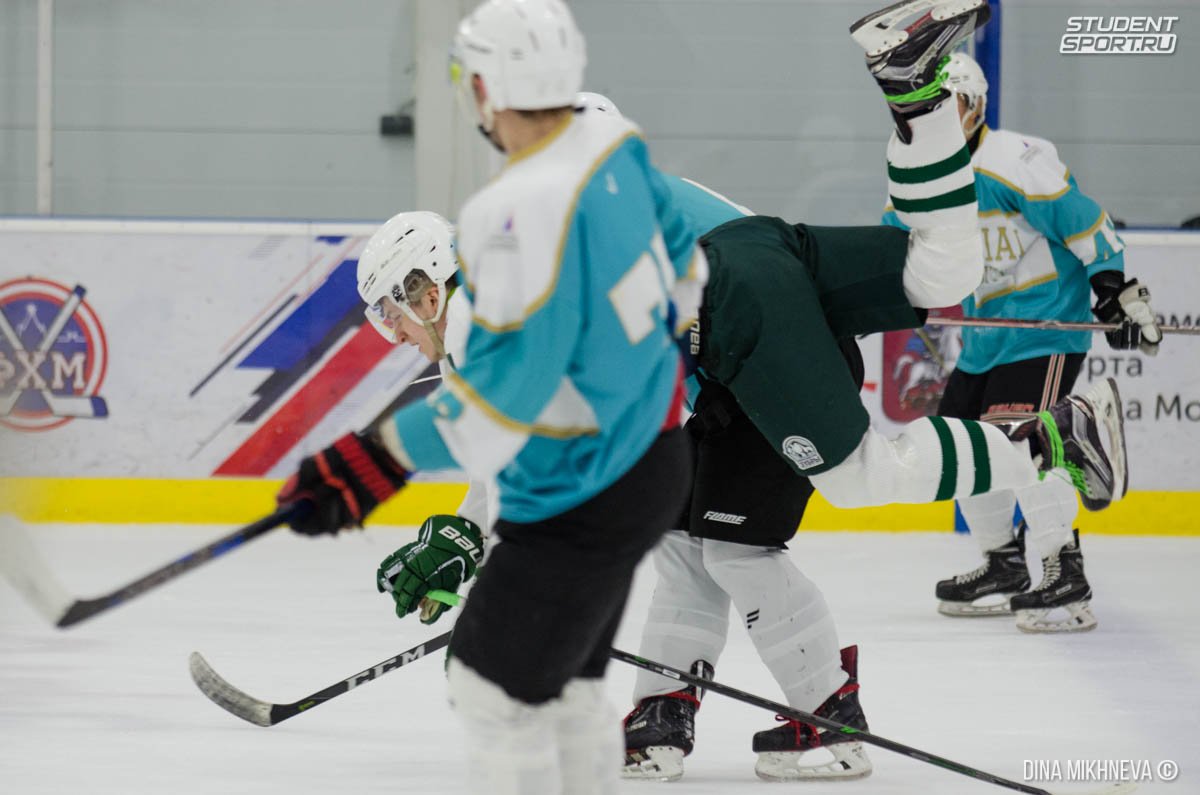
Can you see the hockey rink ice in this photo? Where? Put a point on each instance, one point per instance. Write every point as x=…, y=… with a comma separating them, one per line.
x=108, y=706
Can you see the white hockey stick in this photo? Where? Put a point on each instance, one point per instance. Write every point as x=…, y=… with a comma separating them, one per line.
x=23, y=567
x=25, y=570
x=1045, y=325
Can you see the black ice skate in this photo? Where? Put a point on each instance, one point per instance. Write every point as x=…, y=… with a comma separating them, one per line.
x=780, y=750
x=661, y=731
x=1002, y=574
x=1063, y=586
x=1068, y=436
x=907, y=45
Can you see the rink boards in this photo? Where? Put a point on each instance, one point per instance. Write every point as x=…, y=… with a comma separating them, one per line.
x=175, y=371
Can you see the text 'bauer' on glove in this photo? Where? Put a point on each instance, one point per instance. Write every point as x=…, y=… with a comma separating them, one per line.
x=343, y=483
x=1127, y=303
x=445, y=555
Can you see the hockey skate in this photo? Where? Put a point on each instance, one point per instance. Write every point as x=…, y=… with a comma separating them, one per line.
x=661, y=731
x=1069, y=437
x=782, y=749
x=1063, y=586
x=974, y=594
x=907, y=45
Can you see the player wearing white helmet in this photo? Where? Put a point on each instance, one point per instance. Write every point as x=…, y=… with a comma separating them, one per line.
x=404, y=276
x=1045, y=244
x=575, y=266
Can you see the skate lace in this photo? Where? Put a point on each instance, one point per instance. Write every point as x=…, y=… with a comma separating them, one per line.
x=1054, y=439
x=1051, y=571
x=1077, y=478
x=972, y=576
x=924, y=92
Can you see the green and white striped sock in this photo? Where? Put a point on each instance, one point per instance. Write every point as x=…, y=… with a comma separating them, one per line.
x=930, y=180
x=976, y=457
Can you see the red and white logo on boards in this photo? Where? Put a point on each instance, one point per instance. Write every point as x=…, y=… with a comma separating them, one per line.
x=53, y=355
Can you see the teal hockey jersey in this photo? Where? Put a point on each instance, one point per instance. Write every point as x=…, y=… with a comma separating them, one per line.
x=1043, y=238
x=572, y=258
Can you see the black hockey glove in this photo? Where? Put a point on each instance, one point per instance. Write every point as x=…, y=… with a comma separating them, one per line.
x=343, y=483
x=1127, y=303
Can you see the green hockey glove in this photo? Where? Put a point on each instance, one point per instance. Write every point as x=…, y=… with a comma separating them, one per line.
x=445, y=555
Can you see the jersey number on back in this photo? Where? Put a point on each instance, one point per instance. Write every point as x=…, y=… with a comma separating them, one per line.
x=640, y=296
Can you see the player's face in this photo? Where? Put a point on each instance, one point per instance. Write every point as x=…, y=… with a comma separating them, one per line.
x=407, y=331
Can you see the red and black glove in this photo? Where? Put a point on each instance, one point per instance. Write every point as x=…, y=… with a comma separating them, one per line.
x=343, y=483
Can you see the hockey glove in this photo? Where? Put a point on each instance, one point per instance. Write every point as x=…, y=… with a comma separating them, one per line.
x=344, y=483
x=445, y=555
x=1127, y=303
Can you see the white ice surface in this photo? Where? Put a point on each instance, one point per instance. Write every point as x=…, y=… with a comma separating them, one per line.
x=108, y=706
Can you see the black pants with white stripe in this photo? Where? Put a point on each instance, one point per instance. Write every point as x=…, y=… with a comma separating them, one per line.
x=1010, y=391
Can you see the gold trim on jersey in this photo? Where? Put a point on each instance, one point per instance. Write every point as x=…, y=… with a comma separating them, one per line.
x=1049, y=277
x=1093, y=229
x=542, y=143
x=562, y=244
x=1033, y=197
x=464, y=391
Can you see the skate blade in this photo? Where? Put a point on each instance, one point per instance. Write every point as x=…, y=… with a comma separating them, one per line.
x=877, y=32
x=1113, y=418
x=654, y=763
x=1079, y=619
x=849, y=761
x=974, y=609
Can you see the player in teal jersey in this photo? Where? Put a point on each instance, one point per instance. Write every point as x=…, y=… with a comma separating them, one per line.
x=1048, y=248
x=566, y=392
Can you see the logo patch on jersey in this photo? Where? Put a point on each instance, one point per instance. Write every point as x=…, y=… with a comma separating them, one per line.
x=53, y=355
x=802, y=452
x=727, y=518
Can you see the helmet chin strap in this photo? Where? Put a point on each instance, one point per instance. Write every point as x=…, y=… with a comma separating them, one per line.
x=435, y=338
x=487, y=125
x=974, y=119
x=428, y=324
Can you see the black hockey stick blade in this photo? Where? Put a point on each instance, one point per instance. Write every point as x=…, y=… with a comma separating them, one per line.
x=265, y=713
x=82, y=609
x=872, y=739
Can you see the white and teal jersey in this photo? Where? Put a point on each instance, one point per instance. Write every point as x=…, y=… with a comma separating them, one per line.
x=571, y=259
x=1042, y=240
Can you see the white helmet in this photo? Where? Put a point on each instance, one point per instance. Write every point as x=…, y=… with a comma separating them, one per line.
x=406, y=247
x=965, y=77
x=529, y=54
x=589, y=100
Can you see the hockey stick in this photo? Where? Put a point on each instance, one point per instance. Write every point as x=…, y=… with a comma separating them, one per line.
x=28, y=573
x=265, y=713
x=833, y=726
x=824, y=723
x=1045, y=325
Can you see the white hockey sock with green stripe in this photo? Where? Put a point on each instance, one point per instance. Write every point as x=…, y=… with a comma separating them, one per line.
x=932, y=459
x=930, y=180
x=932, y=189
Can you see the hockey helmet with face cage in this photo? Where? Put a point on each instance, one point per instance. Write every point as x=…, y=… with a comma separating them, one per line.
x=407, y=253
x=529, y=54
